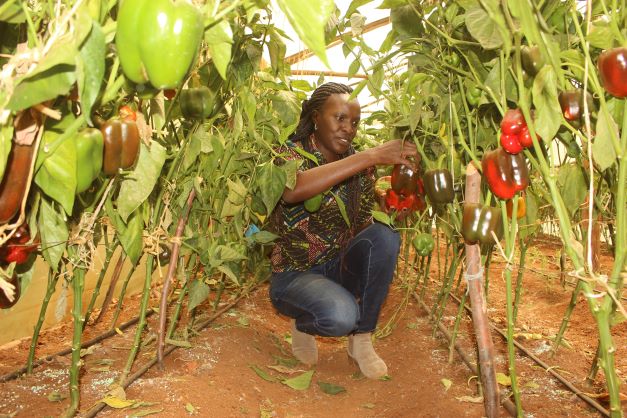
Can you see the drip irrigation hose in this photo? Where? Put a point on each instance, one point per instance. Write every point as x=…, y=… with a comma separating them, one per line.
x=99, y=406
x=542, y=364
x=17, y=373
x=507, y=404
x=549, y=369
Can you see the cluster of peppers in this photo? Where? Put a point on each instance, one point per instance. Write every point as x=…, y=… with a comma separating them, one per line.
x=407, y=191
x=18, y=250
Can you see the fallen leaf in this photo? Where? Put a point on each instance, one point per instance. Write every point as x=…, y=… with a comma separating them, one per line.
x=532, y=385
x=529, y=336
x=330, y=388
x=55, y=396
x=146, y=412
x=243, y=321
x=183, y=344
x=300, y=382
x=283, y=369
x=503, y=379
x=368, y=406
x=447, y=384
x=478, y=399
x=117, y=403
x=190, y=408
x=262, y=374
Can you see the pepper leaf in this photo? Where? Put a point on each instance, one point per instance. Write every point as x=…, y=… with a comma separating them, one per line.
x=138, y=184
x=483, y=28
x=272, y=181
x=198, y=293
x=90, y=67
x=309, y=18
x=573, y=186
x=57, y=175
x=54, y=232
x=330, y=388
x=548, y=116
x=219, y=38
x=300, y=382
x=603, y=151
x=6, y=134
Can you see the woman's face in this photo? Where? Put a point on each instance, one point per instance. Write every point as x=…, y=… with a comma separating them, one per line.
x=337, y=122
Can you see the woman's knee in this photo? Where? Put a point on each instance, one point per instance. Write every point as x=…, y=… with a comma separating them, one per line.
x=339, y=319
x=384, y=238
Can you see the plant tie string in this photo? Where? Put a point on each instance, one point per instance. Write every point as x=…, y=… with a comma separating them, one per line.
x=474, y=276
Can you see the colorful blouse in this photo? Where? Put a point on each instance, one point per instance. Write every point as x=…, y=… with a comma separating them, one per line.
x=307, y=239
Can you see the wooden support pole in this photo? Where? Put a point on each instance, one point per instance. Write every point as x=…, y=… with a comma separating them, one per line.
x=474, y=280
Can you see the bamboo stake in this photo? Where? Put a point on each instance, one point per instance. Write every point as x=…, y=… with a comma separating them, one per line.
x=474, y=275
x=176, y=248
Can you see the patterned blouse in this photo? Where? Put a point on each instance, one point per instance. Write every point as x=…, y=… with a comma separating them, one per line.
x=307, y=239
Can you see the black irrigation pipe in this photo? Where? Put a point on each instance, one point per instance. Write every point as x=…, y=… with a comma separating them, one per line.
x=99, y=406
x=17, y=373
x=507, y=404
x=548, y=368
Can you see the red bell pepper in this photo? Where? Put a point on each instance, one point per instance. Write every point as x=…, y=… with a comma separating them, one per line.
x=505, y=173
x=17, y=249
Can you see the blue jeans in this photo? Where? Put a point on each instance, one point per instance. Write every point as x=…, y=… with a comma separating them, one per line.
x=331, y=299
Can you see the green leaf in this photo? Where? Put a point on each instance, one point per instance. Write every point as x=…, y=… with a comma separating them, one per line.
x=6, y=136
x=483, y=28
x=57, y=175
x=405, y=21
x=447, y=383
x=130, y=235
x=45, y=86
x=12, y=13
x=309, y=18
x=54, y=232
x=264, y=237
x=528, y=225
x=601, y=35
x=300, y=382
x=90, y=67
x=272, y=181
x=603, y=151
x=287, y=106
x=572, y=185
x=548, y=114
x=178, y=343
x=342, y=207
x=138, y=184
x=261, y=373
x=198, y=293
x=219, y=38
x=382, y=217
x=330, y=388
x=229, y=273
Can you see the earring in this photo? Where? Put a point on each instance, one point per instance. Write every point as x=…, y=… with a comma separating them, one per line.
x=315, y=126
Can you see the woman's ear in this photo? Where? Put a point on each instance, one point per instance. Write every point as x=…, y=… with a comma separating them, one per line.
x=315, y=115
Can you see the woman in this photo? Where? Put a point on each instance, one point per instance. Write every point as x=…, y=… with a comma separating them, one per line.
x=332, y=266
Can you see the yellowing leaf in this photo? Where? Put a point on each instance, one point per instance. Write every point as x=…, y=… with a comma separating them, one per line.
x=262, y=374
x=300, y=382
x=478, y=399
x=503, y=379
x=447, y=384
x=117, y=403
x=532, y=385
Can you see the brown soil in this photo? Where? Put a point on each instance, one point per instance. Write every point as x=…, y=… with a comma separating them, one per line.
x=216, y=376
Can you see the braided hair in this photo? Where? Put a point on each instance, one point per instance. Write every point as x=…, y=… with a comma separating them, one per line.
x=306, y=128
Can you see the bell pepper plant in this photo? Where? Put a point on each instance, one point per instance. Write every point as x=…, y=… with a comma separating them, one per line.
x=438, y=184
x=479, y=222
x=196, y=103
x=121, y=145
x=158, y=40
x=505, y=173
x=89, y=149
x=423, y=244
x=612, y=65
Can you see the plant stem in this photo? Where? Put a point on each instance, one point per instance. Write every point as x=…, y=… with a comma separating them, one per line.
x=53, y=277
x=78, y=281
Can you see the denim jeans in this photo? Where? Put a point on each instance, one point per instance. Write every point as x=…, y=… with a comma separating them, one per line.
x=334, y=300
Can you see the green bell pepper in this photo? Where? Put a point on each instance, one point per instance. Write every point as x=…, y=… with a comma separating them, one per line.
x=158, y=40
x=423, y=244
x=478, y=223
x=196, y=103
x=89, y=147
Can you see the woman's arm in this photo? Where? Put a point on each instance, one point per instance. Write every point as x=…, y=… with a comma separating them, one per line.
x=318, y=179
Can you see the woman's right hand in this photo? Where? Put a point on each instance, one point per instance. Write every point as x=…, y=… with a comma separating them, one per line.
x=393, y=152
